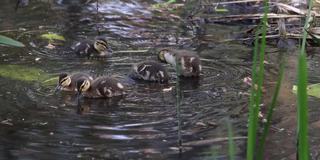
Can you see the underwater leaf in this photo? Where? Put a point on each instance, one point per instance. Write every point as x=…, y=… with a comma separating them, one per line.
x=10, y=42
x=50, y=81
x=52, y=37
x=170, y=1
x=312, y=90
x=27, y=74
x=221, y=10
x=20, y=72
x=163, y=5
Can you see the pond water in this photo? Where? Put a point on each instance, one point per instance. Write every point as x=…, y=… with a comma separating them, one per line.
x=146, y=124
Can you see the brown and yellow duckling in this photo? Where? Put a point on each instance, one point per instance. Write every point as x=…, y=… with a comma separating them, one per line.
x=189, y=61
x=102, y=87
x=98, y=48
x=150, y=71
x=68, y=82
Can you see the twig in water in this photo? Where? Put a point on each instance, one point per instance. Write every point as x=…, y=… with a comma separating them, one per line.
x=132, y=51
x=211, y=141
x=97, y=17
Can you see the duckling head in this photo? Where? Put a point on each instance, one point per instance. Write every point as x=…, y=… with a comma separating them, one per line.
x=82, y=85
x=64, y=81
x=162, y=53
x=102, y=47
x=166, y=56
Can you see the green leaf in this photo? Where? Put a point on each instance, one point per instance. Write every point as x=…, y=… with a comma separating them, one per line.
x=312, y=90
x=10, y=42
x=52, y=37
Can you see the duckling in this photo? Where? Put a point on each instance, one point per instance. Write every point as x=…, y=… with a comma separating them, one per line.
x=150, y=71
x=102, y=87
x=98, y=48
x=189, y=61
x=68, y=82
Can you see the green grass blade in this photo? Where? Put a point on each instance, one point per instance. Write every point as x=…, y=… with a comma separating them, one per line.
x=256, y=94
x=10, y=42
x=270, y=112
x=303, y=145
x=252, y=129
x=178, y=104
x=231, y=143
x=302, y=122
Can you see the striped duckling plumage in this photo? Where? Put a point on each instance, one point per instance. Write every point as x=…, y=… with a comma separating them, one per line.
x=98, y=48
x=101, y=87
x=189, y=61
x=67, y=82
x=150, y=71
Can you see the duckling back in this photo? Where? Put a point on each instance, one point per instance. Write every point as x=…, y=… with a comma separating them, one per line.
x=190, y=64
x=105, y=87
x=84, y=48
x=150, y=71
x=189, y=61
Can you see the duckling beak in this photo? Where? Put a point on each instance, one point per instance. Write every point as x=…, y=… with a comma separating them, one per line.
x=110, y=50
x=78, y=94
x=106, y=53
x=78, y=102
x=57, y=89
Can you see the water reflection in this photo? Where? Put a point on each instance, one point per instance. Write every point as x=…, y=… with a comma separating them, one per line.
x=86, y=105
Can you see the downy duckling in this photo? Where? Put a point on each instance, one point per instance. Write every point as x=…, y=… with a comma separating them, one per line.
x=150, y=71
x=102, y=87
x=98, y=48
x=189, y=61
x=68, y=82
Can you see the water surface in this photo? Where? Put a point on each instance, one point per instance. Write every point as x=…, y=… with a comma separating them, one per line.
x=37, y=124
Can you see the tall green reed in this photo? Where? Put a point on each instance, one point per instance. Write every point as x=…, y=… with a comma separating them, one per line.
x=178, y=103
x=257, y=79
x=256, y=94
x=302, y=101
x=266, y=127
x=231, y=144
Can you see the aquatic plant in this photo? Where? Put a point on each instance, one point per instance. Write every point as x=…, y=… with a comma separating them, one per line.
x=302, y=105
x=178, y=103
x=256, y=89
x=231, y=144
x=256, y=95
x=10, y=42
x=51, y=37
x=267, y=125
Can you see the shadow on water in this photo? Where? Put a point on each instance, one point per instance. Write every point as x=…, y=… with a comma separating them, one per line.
x=36, y=124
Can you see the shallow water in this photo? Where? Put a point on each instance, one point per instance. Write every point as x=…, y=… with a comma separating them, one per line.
x=145, y=124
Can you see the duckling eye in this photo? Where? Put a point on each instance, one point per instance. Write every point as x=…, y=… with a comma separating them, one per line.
x=161, y=55
x=65, y=81
x=102, y=43
x=82, y=86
